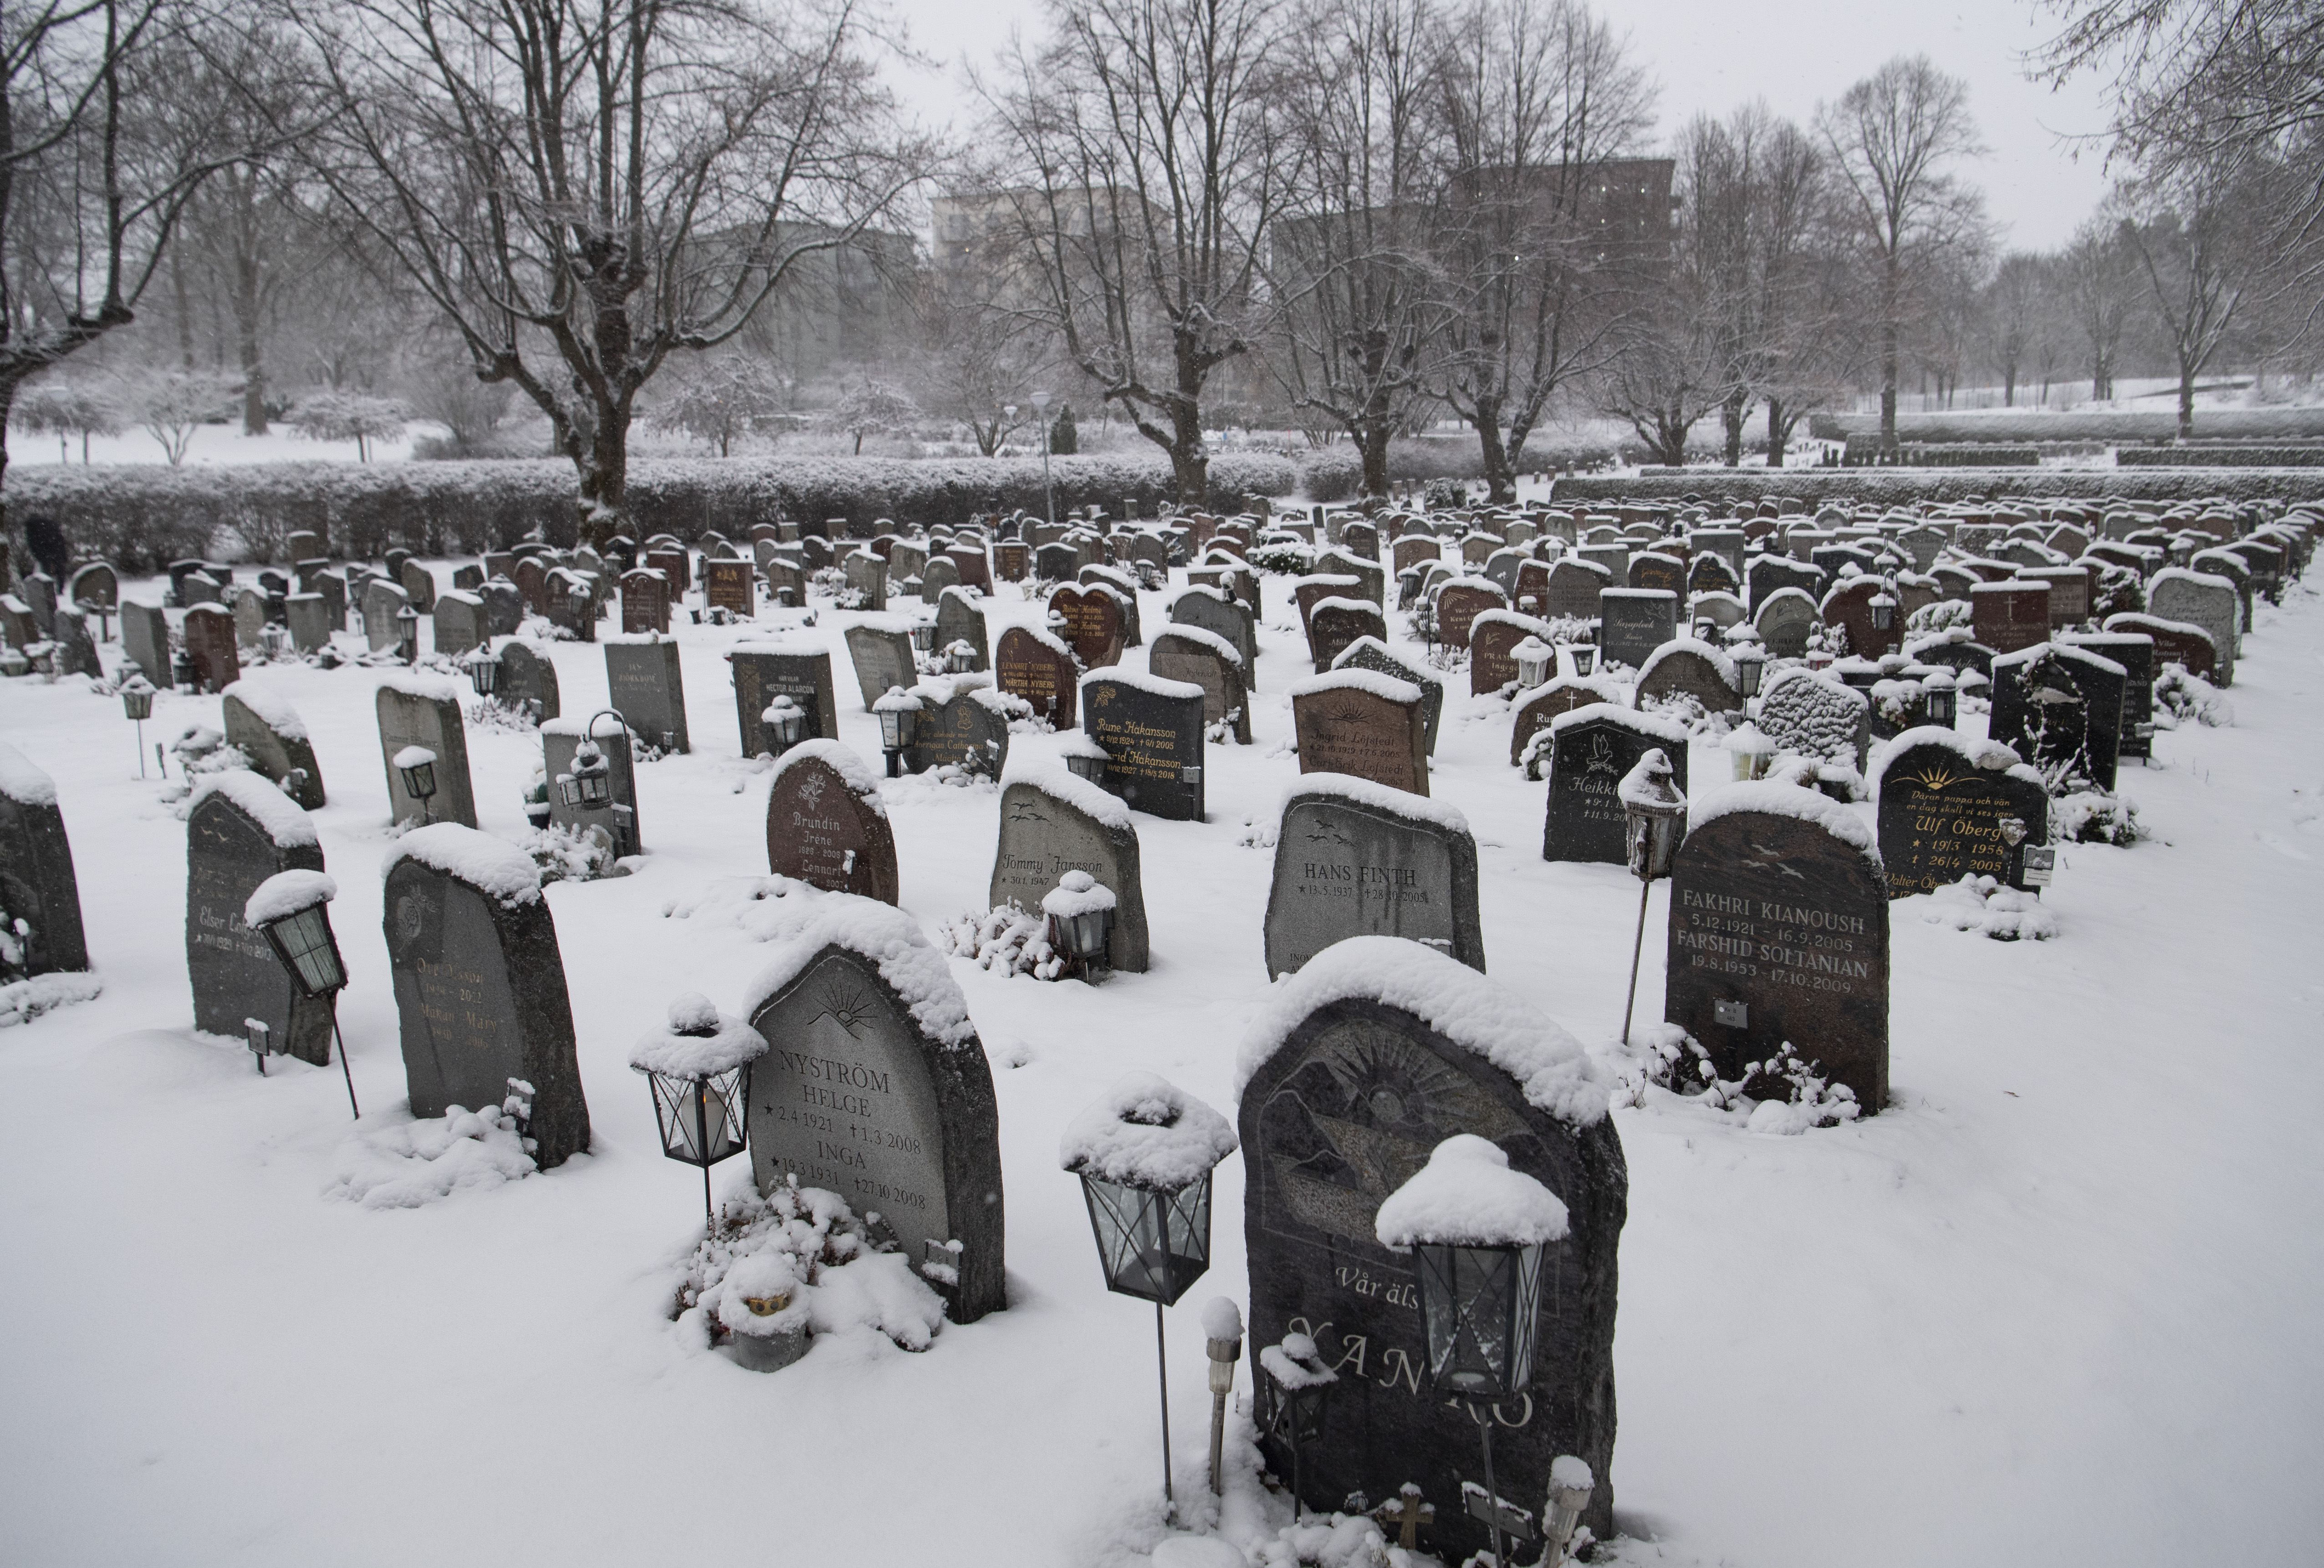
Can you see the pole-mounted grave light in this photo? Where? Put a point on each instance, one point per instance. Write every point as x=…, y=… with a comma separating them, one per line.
x=137, y=705
x=1476, y=1230
x=417, y=766
x=899, y=712
x=1750, y=665
x=1293, y=1396
x=1653, y=818
x=292, y=910
x=698, y=1064
x=1080, y=918
x=1146, y=1153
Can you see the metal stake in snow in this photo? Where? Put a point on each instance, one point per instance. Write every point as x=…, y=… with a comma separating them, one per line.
x=1654, y=810
x=1223, y=1333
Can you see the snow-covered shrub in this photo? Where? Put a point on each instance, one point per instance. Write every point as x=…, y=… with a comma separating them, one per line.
x=1331, y=473
x=2180, y=697
x=1007, y=940
x=1793, y=1096
x=2095, y=817
x=1284, y=557
x=1944, y=615
x=566, y=855
x=1672, y=1059
x=839, y=1272
x=1981, y=904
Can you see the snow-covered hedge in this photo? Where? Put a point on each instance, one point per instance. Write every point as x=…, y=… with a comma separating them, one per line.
x=2221, y=456
x=140, y=516
x=2156, y=425
x=1892, y=487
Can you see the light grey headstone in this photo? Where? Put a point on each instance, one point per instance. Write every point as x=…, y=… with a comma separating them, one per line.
x=420, y=711
x=1044, y=835
x=643, y=686
x=882, y=656
x=1348, y=863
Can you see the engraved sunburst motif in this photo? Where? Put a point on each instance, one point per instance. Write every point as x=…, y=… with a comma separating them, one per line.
x=1936, y=778
x=848, y=1003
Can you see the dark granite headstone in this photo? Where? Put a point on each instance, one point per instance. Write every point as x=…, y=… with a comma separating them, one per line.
x=2059, y=707
x=37, y=885
x=418, y=585
x=731, y=586
x=959, y=619
x=269, y=731
x=529, y=680
x=467, y=578
x=1634, y=622
x=1941, y=801
x=881, y=652
x=1152, y=733
x=1535, y=710
x=1652, y=570
x=1770, y=572
x=867, y=579
x=1041, y=669
x=645, y=602
x=1784, y=620
x=1458, y=605
x=763, y=674
x=827, y=825
x=503, y=606
x=531, y=578
x=1350, y=861
x=963, y=723
x=480, y=985
x=1052, y=822
x=1779, y=938
x=2136, y=653
x=1685, y=667
x=560, y=740
x=643, y=686
x=2176, y=642
x=95, y=584
x=460, y=622
x=301, y=545
x=1493, y=639
x=248, y=607
x=425, y=711
x=210, y=644
x=1217, y=611
x=1363, y=724
x=1093, y=623
x=1334, y=1119
x=308, y=616
x=2010, y=615
x=1189, y=654
x=240, y=831
x=1337, y=623
x=1591, y=747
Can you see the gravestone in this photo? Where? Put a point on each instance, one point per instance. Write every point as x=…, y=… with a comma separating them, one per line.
x=1348, y=1094
x=1659, y=573
x=1220, y=613
x=145, y=639
x=301, y=545
x=1779, y=936
x=1710, y=573
x=1012, y=559
x=1458, y=605
x=468, y=578
x=1056, y=563
x=95, y=584
x=960, y=619
x=762, y=672
x=249, y=609
x=1372, y=654
x=2176, y=642
x=1783, y=622
x=418, y=585
x=269, y=731
x=1356, y=861
x=643, y=686
x=2070, y=592
x=37, y=885
x=1366, y=725
x=963, y=723
x=1052, y=823
x=2010, y=615
x=529, y=680
x=240, y=831
x=1812, y=716
x=531, y=578
x=1189, y=654
x=1848, y=605
x=311, y=622
x=867, y=578
x=460, y=622
x=1041, y=668
x=503, y=606
x=1336, y=624
x=881, y=652
x=560, y=741
x=732, y=586
x=1093, y=624
x=1152, y=732
x=75, y=653
x=645, y=602
x=424, y=710
x=209, y=642
x=1942, y=798
x=2198, y=599
x=969, y=561
x=1535, y=710
x=1685, y=667
x=1371, y=578
x=2059, y=707
x=1769, y=574
x=827, y=825
x=2136, y=653
x=1411, y=549
x=1590, y=749
x=381, y=599
x=1633, y=622
x=941, y=575
x=880, y=1093
x=480, y=985
x=1493, y=639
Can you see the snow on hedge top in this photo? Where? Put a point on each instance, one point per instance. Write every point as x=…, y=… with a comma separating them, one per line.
x=22, y=782
x=1777, y=799
x=1044, y=772
x=1688, y=644
x=414, y=683
x=1990, y=755
x=269, y=708
x=1355, y=680
x=1660, y=727
x=808, y=919
x=697, y=1041
x=1147, y=1132
x=284, y=895
x=860, y=780
x=1467, y=1195
x=1474, y=1012
x=1141, y=680
x=493, y=867
x=1209, y=642
x=261, y=800
x=1378, y=797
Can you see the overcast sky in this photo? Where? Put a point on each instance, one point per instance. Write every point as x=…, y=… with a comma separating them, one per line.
x=1710, y=55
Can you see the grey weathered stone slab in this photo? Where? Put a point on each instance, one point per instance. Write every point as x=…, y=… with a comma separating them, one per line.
x=1363, y=724
x=2198, y=599
x=960, y=619
x=763, y=672
x=75, y=653
x=311, y=622
x=208, y=633
x=643, y=685
x=529, y=680
x=425, y=711
x=145, y=639
x=881, y=652
x=242, y=830
x=1052, y=822
x=418, y=585
x=461, y=625
x=2059, y=707
x=964, y=723
x=1189, y=654
x=1783, y=620
x=1357, y=861
x=1218, y=612
x=1684, y=667
x=269, y=731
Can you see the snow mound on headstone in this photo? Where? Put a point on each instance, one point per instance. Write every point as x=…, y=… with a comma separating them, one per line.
x=268, y=707
x=803, y=920
x=1146, y=1132
x=843, y=760
x=422, y=1162
x=22, y=782
x=284, y=820
x=1785, y=799
x=494, y=867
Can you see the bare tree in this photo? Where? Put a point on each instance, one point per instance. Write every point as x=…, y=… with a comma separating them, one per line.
x=583, y=187
x=2202, y=244
x=2012, y=315
x=1134, y=183
x=2102, y=285
x=1543, y=251
x=1893, y=137
x=978, y=361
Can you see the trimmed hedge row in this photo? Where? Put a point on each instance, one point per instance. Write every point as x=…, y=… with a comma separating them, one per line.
x=1903, y=487
x=140, y=516
x=1866, y=454
x=2159, y=425
x=2219, y=457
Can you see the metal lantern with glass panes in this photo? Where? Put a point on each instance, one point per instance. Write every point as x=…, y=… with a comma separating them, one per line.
x=292, y=910
x=137, y=706
x=275, y=640
x=406, y=634
x=782, y=724
x=182, y=674
x=1752, y=750
x=899, y=712
x=1536, y=661
x=1750, y=665
x=924, y=636
x=1476, y=1230
x=1146, y=1153
x=1080, y=918
x=960, y=656
x=1940, y=697
x=1653, y=818
x=417, y=766
x=1293, y=1395
x=485, y=669
x=698, y=1064
x=1585, y=658
x=1084, y=757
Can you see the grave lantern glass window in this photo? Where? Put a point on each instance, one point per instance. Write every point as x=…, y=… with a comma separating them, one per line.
x=1535, y=659
x=1941, y=697
x=1653, y=816
x=1750, y=664
x=275, y=640
x=1477, y=1307
x=698, y=1067
x=924, y=636
x=303, y=941
x=589, y=787
x=417, y=764
x=960, y=657
x=1080, y=917
x=407, y=633
x=1153, y=1243
x=1585, y=658
x=137, y=700
x=181, y=673
x=1883, y=611
x=485, y=672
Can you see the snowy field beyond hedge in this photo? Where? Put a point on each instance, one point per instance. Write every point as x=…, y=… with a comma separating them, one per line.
x=2058, y=1304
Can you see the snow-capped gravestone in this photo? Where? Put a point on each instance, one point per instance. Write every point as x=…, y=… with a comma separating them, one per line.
x=308, y=616
x=1458, y=605
x=964, y=723
x=2200, y=598
x=97, y=585
x=240, y=831
x=1052, y=822
x=37, y=886
x=1374, y=1053
x=1218, y=612
x=424, y=710
x=1152, y=732
x=875, y=1087
x=418, y=585
x=2009, y=614
x=1371, y=653
x=1041, y=668
x=763, y=672
x=75, y=653
x=1493, y=639
x=1942, y=799
x=529, y=681
x=2059, y=708
x=560, y=739
x=503, y=606
x=1633, y=622
x=643, y=686
x=1535, y=710
x=269, y=731
x=1093, y=624
x=249, y=607
x=1352, y=858
x=645, y=602
x=1363, y=724
x=1812, y=716
x=480, y=985
x=461, y=625
x=958, y=620
x=1685, y=667
x=881, y=649
x=732, y=586
x=1779, y=936
x=1338, y=623
x=210, y=645
x=382, y=601
x=2176, y=642
x=1590, y=749
x=1573, y=589
x=1191, y=655
x=1783, y=622
x=145, y=639
x=827, y=825
x=2136, y=653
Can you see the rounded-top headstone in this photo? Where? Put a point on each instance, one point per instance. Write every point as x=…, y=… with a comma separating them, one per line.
x=826, y=823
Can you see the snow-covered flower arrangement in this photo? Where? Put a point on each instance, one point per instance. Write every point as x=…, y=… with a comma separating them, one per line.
x=415, y=1163
x=1006, y=940
x=2180, y=698
x=806, y=1248
x=1783, y=1093
x=1981, y=904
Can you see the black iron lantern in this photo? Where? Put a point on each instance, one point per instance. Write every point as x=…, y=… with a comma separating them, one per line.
x=1585, y=658
x=417, y=766
x=589, y=787
x=407, y=633
x=1146, y=1154
x=1940, y=697
x=898, y=713
x=1653, y=818
x=1293, y=1396
x=1750, y=665
x=782, y=724
x=292, y=910
x=699, y=1068
x=1080, y=917
x=485, y=669
x=1084, y=757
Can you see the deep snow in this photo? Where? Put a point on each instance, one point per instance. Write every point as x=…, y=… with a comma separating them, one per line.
x=2056, y=1304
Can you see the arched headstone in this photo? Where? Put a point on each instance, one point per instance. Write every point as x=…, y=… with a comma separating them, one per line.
x=269, y=731
x=242, y=830
x=827, y=825
x=1590, y=749
x=424, y=710
x=1352, y=858
x=1364, y=724
x=529, y=680
x=37, y=885
x=1052, y=822
x=1942, y=798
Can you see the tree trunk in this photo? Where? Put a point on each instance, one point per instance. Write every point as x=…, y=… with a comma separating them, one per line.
x=184, y=312
x=1889, y=290
x=7, y=408
x=2009, y=387
x=604, y=466
x=2186, y=401
x=246, y=325
x=1730, y=417
x=1190, y=460
x=1779, y=431
x=1500, y=483
x=1371, y=444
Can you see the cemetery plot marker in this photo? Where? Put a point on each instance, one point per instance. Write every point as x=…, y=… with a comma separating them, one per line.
x=1052, y=823
x=1353, y=859
x=827, y=825
x=1942, y=799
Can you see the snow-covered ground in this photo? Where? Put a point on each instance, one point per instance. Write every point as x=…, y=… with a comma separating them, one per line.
x=2056, y=1305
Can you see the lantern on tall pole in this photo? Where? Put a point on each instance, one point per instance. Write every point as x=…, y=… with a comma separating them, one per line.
x=698, y=1064
x=291, y=910
x=137, y=705
x=1653, y=816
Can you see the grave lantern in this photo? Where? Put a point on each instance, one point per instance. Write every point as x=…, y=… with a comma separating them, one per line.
x=1084, y=758
x=898, y=713
x=1752, y=750
x=417, y=765
x=485, y=669
x=960, y=656
x=1146, y=1154
x=407, y=633
x=182, y=675
x=1475, y=1229
x=1293, y=1396
x=783, y=725
x=1585, y=658
x=137, y=705
x=1080, y=917
x=1653, y=817
x=1940, y=697
x=924, y=636
x=698, y=1066
x=1571, y=1485
x=291, y=910
x=275, y=640
x=1750, y=665
x=1535, y=659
